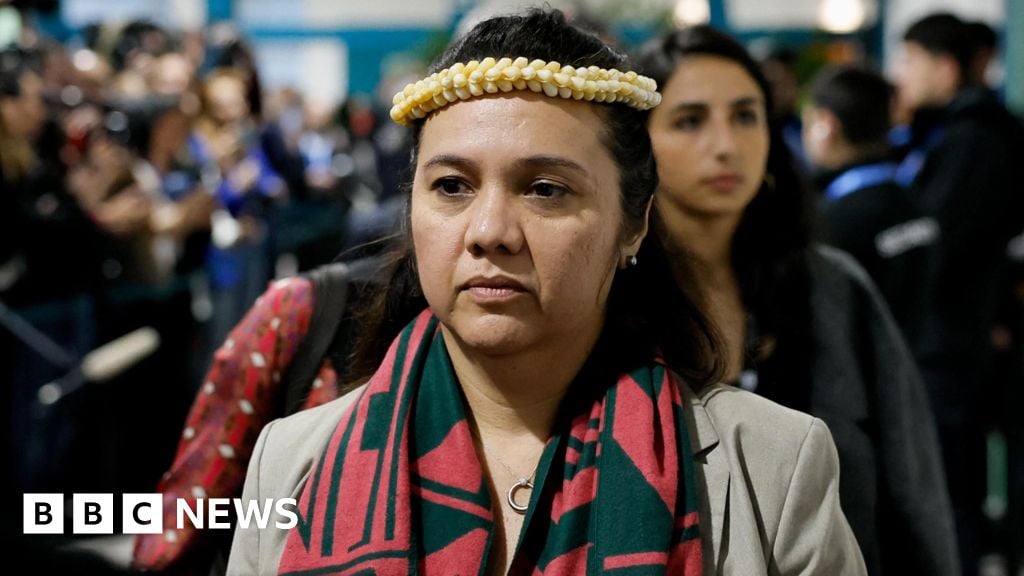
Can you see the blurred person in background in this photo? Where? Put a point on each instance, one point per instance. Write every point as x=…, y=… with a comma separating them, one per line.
x=103, y=183
x=226, y=139
x=173, y=74
x=160, y=183
x=1007, y=373
x=376, y=210
x=779, y=66
x=986, y=51
x=863, y=210
x=45, y=249
x=49, y=262
x=320, y=140
x=964, y=169
x=133, y=50
x=803, y=324
x=304, y=230
x=392, y=143
x=225, y=47
x=157, y=132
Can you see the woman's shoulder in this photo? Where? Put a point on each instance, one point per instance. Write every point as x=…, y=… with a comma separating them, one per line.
x=315, y=423
x=768, y=474
x=746, y=417
x=836, y=275
x=842, y=292
x=292, y=442
x=757, y=435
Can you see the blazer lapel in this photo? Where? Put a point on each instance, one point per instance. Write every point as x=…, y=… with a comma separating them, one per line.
x=712, y=468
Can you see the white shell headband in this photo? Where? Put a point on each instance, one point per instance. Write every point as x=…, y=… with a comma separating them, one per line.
x=489, y=76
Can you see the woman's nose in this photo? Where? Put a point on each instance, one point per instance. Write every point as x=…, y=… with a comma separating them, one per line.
x=723, y=140
x=493, y=224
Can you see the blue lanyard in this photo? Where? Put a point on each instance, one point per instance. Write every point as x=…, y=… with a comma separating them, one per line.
x=914, y=161
x=861, y=177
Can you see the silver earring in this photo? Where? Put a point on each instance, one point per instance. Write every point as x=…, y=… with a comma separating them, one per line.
x=632, y=261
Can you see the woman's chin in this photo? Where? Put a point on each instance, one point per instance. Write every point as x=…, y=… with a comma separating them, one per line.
x=719, y=208
x=492, y=335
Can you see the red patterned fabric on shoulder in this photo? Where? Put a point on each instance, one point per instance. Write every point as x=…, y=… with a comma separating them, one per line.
x=241, y=393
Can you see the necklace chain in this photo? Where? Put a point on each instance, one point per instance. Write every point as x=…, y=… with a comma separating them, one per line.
x=512, y=473
x=521, y=482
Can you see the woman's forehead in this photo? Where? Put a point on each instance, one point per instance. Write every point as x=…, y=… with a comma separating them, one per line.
x=710, y=77
x=508, y=126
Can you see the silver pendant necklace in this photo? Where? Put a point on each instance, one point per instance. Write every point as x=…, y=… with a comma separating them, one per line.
x=521, y=483
x=511, y=496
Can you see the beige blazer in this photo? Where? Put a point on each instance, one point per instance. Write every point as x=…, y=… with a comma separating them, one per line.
x=768, y=478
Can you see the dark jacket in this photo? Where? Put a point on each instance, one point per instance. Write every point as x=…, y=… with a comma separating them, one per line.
x=49, y=248
x=866, y=388
x=885, y=231
x=970, y=183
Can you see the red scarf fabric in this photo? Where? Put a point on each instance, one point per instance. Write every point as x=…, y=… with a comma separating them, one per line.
x=400, y=490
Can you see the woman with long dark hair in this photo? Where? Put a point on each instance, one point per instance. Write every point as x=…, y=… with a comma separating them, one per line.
x=803, y=324
x=544, y=396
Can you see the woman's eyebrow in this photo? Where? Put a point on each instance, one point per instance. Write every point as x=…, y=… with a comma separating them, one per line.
x=691, y=106
x=451, y=160
x=534, y=162
x=701, y=105
x=548, y=161
x=747, y=101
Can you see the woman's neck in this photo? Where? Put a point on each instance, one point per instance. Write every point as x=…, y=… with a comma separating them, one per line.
x=513, y=400
x=709, y=241
x=517, y=395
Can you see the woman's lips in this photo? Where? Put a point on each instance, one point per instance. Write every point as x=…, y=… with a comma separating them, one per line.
x=494, y=289
x=489, y=294
x=723, y=182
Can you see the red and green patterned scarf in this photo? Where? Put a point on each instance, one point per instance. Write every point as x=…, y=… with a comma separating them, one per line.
x=400, y=490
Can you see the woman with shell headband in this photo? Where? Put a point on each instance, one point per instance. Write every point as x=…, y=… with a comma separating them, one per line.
x=538, y=394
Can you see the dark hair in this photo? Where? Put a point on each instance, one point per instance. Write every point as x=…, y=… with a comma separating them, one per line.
x=859, y=97
x=945, y=34
x=983, y=36
x=647, y=310
x=140, y=37
x=771, y=243
x=226, y=47
x=984, y=45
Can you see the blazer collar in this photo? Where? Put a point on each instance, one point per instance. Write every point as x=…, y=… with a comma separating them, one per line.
x=712, y=466
x=703, y=436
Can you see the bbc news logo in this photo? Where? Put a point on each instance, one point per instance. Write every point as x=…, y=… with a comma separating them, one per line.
x=144, y=513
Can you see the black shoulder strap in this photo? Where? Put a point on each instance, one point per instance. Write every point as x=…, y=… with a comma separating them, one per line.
x=330, y=293
x=331, y=288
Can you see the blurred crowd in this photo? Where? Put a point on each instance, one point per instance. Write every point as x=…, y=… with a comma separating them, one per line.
x=150, y=180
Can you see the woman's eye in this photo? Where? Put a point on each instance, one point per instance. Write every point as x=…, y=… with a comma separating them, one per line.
x=687, y=122
x=748, y=117
x=548, y=190
x=450, y=186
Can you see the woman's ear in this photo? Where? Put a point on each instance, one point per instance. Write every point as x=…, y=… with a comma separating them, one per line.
x=632, y=243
